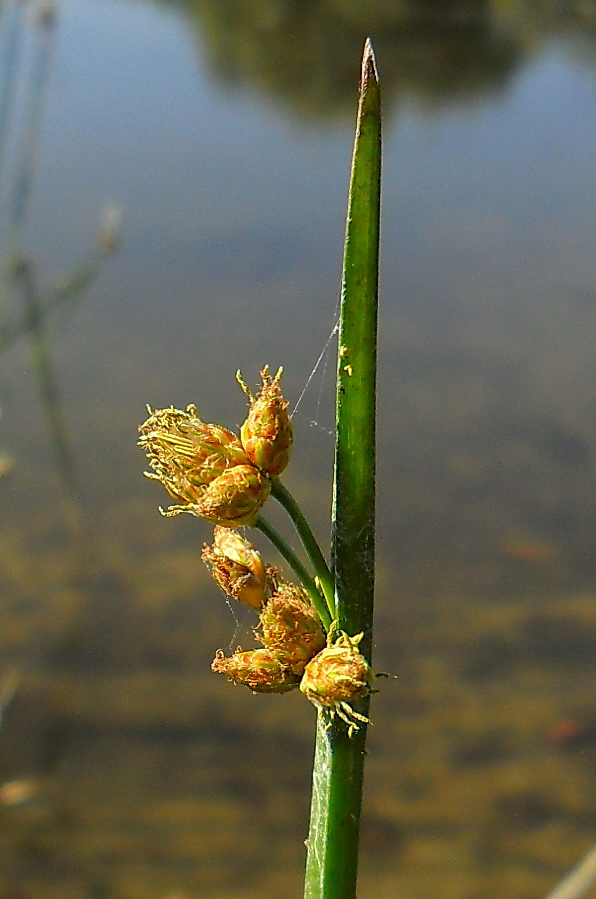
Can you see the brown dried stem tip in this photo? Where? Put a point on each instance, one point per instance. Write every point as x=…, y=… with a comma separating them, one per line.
x=267, y=432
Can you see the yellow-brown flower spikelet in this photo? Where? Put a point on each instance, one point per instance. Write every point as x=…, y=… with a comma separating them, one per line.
x=185, y=453
x=337, y=676
x=257, y=669
x=267, y=432
x=237, y=567
x=203, y=466
x=291, y=628
x=233, y=499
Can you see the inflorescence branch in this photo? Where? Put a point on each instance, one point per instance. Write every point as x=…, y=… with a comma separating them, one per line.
x=226, y=479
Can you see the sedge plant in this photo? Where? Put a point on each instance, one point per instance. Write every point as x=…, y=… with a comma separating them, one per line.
x=315, y=633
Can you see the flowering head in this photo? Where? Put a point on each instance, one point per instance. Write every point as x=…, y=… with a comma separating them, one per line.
x=237, y=567
x=203, y=466
x=257, y=669
x=233, y=499
x=337, y=676
x=185, y=453
x=267, y=432
x=291, y=628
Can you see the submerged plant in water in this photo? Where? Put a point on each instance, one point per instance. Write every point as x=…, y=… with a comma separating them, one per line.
x=315, y=634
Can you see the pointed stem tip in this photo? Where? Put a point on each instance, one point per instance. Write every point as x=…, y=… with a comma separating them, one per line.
x=369, y=63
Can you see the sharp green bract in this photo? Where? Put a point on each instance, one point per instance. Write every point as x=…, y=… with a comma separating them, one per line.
x=332, y=861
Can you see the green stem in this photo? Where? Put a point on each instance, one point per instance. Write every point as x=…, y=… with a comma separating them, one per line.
x=332, y=861
x=283, y=496
x=296, y=565
x=332, y=857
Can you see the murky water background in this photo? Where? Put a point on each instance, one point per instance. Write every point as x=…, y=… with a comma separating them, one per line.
x=222, y=132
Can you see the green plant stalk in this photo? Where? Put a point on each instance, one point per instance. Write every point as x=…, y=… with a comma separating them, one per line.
x=332, y=858
x=285, y=498
x=58, y=430
x=297, y=567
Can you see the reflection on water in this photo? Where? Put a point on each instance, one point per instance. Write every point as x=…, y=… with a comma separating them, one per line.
x=26, y=309
x=301, y=53
x=126, y=768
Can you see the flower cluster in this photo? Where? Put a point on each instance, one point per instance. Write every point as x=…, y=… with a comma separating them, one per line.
x=214, y=474
x=289, y=627
x=330, y=670
x=211, y=472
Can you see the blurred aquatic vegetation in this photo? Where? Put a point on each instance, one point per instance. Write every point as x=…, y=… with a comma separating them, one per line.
x=299, y=54
x=539, y=20
x=27, y=37
x=6, y=461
